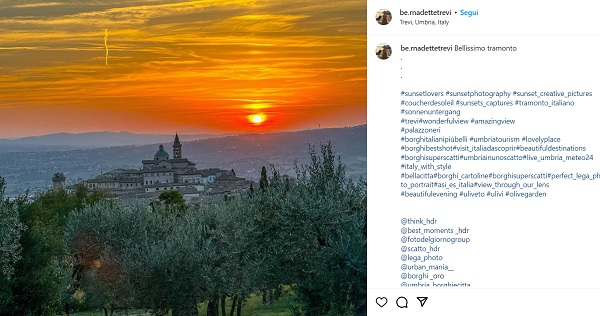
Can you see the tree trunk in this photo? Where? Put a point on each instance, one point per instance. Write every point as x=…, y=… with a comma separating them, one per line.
x=223, y=313
x=105, y=311
x=213, y=305
x=233, y=305
x=278, y=292
x=210, y=309
x=216, y=300
x=239, y=307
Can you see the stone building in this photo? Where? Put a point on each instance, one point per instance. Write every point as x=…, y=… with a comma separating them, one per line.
x=164, y=173
x=58, y=181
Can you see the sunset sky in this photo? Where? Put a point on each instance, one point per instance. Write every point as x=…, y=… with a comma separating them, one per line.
x=186, y=66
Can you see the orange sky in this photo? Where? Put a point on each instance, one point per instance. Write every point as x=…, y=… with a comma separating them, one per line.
x=187, y=66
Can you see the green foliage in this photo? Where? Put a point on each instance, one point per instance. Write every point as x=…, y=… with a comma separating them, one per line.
x=308, y=232
x=264, y=181
x=251, y=190
x=313, y=234
x=95, y=238
x=172, y=198
x=336, y=209
x=135, y=258
x=11, y=229
x=41, y=282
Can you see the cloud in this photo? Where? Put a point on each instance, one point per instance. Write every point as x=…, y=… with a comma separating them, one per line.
x=37, y=5
x=218, y=55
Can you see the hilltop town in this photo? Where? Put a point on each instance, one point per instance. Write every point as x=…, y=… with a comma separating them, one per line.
x=164, y=173
x=31, y=171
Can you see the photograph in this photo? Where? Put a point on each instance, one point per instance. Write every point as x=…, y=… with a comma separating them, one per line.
x=183, y=158
x=383, y=51
x=383, y=17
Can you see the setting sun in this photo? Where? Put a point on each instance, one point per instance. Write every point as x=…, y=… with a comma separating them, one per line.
x=95, y=68
x=257, y=118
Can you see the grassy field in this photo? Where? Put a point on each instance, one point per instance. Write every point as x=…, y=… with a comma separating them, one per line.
x=253, y=306
x=100, y=313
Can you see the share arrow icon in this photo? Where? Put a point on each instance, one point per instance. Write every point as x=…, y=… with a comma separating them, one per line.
x=422, y=300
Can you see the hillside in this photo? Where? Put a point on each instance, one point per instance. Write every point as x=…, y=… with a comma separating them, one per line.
x=245, y=153
x=69, y=141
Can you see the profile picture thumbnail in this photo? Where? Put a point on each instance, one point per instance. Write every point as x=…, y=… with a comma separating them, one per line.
x=383, y=51
x=383, y=17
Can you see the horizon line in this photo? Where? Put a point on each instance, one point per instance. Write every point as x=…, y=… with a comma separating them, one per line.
x=185, y=134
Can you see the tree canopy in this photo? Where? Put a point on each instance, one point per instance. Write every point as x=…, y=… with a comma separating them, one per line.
x=307, y=232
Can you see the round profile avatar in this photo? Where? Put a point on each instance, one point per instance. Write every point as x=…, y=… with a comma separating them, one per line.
x=383, y=51
x=383, y=17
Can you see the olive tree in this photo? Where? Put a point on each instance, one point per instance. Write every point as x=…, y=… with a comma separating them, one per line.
x=11, y=229
x=311, y=232
x=138, y=258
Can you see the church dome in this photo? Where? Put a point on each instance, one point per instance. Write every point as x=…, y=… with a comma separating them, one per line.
x=161, y=154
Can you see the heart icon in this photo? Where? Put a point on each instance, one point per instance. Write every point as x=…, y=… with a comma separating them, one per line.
x=381, y=301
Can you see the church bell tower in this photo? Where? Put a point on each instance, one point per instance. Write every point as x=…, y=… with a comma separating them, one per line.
x=177, y=147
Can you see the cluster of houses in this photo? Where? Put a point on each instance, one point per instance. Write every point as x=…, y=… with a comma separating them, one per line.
x=163, y=173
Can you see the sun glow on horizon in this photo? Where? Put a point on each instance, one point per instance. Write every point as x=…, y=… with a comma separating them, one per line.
x=257, y=119
x=244, y=64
